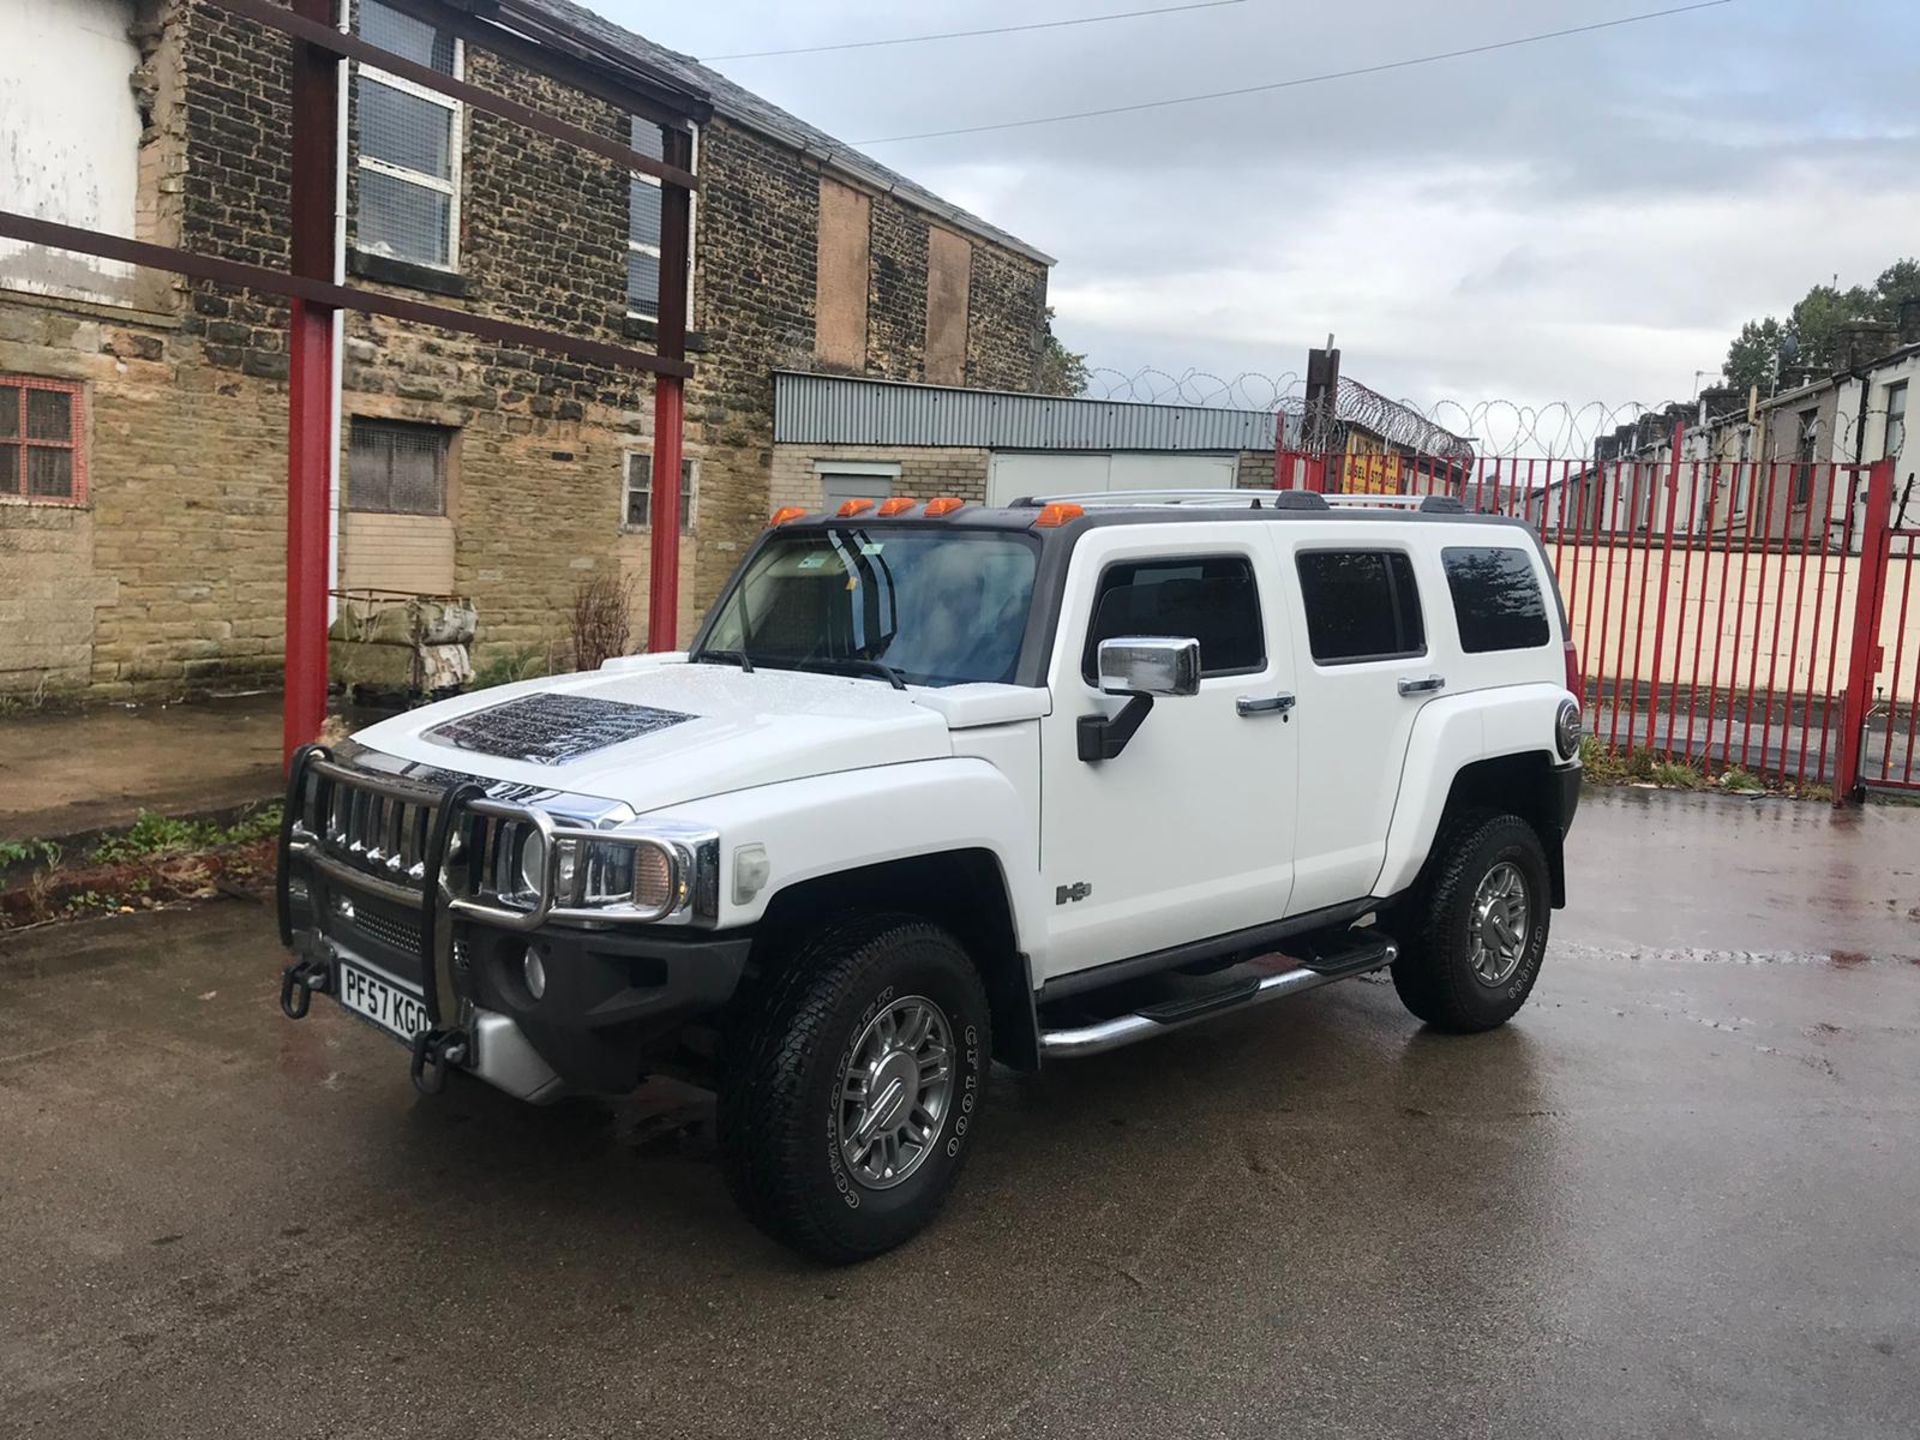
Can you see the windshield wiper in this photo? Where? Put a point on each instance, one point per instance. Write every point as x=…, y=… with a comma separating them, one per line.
x=860, y=665
x=738, y=657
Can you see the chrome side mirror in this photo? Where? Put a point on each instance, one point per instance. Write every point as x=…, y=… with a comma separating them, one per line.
x=1139, y=667
x=1149, y=665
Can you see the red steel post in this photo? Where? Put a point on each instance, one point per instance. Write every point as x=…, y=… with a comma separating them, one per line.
x=315, y=93
x=1660, y=609
x=1863, y=658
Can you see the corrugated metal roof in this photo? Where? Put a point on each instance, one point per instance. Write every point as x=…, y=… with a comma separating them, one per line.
x=842, y=410
x=738, y=103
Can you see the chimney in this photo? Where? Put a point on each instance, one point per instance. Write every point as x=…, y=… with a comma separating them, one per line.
x=1864, y=341
x=1910, y=320
x=1717, y=401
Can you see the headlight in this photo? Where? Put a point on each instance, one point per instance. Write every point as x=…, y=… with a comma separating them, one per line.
x=1566, y=730
x=642, y=877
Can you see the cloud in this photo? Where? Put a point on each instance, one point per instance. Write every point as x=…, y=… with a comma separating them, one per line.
x=1587, y=218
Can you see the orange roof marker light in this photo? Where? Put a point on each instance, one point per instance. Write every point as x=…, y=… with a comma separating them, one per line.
x=943, y=505
x=898, y=505
x=855, y=507
x=784, y=514
x=1053, y=516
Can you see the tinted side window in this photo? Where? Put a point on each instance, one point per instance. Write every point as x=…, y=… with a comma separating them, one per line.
x=1496, y=598
x=1361, y=605
x=1213, y=600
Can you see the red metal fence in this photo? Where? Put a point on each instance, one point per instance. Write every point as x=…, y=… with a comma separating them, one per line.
x=1758, y=615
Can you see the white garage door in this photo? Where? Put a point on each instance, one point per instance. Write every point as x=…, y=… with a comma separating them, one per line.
x=1013, y=475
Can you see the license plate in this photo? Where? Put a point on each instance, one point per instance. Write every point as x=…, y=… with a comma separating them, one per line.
x=399, y=1012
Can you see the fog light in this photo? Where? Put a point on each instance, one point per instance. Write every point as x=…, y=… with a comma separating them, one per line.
x=534, y=973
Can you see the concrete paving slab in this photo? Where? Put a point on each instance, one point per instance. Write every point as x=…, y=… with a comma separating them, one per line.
x=1673, y=1198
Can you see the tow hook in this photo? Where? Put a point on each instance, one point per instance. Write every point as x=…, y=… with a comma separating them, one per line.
x=299, y=983
x=433, y=1052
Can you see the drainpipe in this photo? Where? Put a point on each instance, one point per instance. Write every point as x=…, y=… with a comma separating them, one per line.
x=339, y=331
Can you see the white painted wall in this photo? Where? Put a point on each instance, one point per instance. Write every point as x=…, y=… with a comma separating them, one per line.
x=69, y=138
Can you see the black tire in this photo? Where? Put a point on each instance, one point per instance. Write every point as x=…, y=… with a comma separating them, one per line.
x=780, y=1087
x=1434, y=974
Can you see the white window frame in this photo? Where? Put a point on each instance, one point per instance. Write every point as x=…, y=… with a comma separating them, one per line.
x=690, y=485
x=638, y=247
x=456, y=152
x=1897, y=402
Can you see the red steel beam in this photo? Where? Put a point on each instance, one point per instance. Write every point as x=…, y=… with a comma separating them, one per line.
x=315, y=88
x=341, y=297
x=1864, y=657
x=321, y=35
x=566, y=54
x=1660, y=608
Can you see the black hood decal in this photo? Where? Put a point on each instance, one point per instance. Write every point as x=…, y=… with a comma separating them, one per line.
x=553, y=729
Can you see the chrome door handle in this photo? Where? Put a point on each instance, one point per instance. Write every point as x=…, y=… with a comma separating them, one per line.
x=1264, y=704
x=1424, y=685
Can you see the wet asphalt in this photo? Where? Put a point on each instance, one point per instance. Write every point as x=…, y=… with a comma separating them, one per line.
x=1678, y=1196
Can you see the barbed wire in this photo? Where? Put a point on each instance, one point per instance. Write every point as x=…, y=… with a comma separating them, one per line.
x=1459, y=428
x=1249, y=390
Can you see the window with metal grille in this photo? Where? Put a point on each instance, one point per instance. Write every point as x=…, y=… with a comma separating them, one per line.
x=394, y=468
x=42, y=457
x=637, y=507
x=643, y=227
x=408, y=166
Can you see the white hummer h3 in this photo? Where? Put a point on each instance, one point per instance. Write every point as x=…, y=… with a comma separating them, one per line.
x=939, y=785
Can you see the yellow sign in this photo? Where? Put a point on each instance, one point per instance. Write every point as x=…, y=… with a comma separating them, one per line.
x=1374, y=474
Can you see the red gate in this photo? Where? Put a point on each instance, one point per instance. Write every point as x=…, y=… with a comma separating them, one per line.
x=1729, y=614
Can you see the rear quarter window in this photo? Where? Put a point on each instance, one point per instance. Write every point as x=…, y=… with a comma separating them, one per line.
x=1496, y=598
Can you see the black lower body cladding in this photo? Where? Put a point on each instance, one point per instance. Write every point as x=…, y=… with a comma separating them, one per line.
x=607, y=992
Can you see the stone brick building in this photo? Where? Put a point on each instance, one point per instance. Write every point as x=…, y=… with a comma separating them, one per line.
x=143, y=417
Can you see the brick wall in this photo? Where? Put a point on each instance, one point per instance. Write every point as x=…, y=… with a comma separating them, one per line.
x=924, y=473
x=173, y=578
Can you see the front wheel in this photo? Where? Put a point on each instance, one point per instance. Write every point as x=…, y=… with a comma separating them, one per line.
x=851, y=1088
x=1477, y=932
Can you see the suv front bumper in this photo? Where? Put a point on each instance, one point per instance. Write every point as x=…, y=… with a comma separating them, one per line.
x=610, y=990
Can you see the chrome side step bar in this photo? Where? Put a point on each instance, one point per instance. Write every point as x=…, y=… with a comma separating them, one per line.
x=1283, y=975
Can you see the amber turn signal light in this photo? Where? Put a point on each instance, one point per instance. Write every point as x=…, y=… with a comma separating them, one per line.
x=854, y=507
x=897, y=505
x=784, y=514
x=945, y=505
x=1052, y=516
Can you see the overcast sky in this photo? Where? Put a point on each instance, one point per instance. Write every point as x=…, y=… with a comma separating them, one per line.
x=1587, y=218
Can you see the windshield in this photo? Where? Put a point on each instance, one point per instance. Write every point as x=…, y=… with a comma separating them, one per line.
x=935, y=607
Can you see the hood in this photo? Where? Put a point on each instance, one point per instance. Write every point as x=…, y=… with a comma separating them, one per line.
x=654, y=731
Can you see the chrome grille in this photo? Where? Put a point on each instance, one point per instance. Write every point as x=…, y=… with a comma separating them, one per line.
x=397, y=934
x=370, y=829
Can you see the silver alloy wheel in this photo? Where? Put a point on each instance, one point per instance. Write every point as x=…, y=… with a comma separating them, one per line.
x=1502, y=921
x=894, y=1092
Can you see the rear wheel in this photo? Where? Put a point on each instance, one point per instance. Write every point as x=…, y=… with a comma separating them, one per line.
x=850, y=1089
x=1475, y=934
